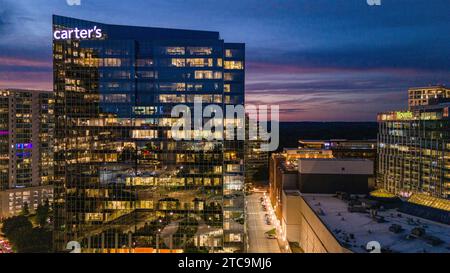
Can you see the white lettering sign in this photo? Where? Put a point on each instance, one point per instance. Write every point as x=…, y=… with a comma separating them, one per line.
x=79, y=34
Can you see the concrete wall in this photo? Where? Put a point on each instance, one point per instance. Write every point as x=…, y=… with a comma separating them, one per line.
x=289, y=181
x=332, y=183
x=302, y=225
x=290, y=222
x=335, y=166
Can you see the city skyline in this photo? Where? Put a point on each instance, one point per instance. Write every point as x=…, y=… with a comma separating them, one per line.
x=151, y=126
x=328, y=56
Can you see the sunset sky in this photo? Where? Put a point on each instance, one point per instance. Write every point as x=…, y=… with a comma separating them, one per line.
x=320, y=60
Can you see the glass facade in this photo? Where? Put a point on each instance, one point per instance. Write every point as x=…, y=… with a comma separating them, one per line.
x=422, y=96
x=414, y=151
x=123, y=183
x=256, y=158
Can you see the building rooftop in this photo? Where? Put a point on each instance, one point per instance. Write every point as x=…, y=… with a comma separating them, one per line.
x=355, y=230
x=138, y=32
x=335, y=159
x=427, y=87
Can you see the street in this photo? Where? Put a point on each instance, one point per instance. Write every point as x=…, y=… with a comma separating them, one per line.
x=257, y=227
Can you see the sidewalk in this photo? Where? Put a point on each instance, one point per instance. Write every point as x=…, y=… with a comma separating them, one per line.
x=281, y=237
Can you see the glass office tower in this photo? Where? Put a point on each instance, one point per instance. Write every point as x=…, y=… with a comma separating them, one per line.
x=414, y=152
x=123, y=184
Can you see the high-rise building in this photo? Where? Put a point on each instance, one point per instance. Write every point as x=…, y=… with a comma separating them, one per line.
x=414, y=150
x=26, y=151
x=124, y=184
x=256, y=157
x=420, y=96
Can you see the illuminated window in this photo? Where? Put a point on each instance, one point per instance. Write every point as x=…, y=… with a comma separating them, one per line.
x=144, y=110
x=111, y=62
x=200, y=51
x=233, y=168
x=175, y=50
x=178, y=62
x=110, y=158
x=203, y=75
x=218, y=98
x=140, y=181
x=93, y=217
x=143, y=204
x=144, y=134
x=172, y=86
x=233, y=65
x=207, y=181
x=217, y=169
x=234, y=53
x=172, y=98
x=205, y=98
x=199, y=62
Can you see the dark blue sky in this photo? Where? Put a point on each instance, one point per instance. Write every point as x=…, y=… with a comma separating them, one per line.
x=321, y=60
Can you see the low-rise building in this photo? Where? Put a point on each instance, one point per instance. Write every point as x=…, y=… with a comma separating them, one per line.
x=12, y=201
x=325, y=223
x=283, y=171
x=344, y=148
x=317, y=175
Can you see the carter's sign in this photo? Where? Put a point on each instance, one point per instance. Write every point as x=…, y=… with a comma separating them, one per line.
x=78, y=34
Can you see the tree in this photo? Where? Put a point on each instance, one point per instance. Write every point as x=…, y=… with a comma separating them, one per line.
x=26, y=239
x=25, y=209
x=35, y=240
x=42, y=213
x=13, y=224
